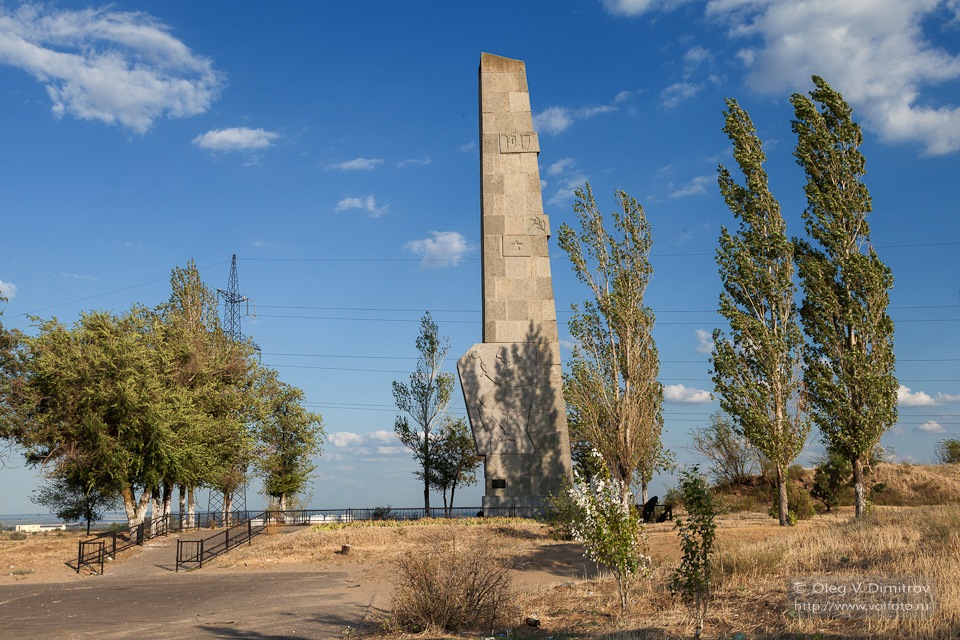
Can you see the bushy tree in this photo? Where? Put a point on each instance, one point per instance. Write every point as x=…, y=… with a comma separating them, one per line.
x=72, y=501
x=733, y=460
x=456, y=459
x=849, y=357
x=288, y=437
x=833, y=474
x=611, y=387
x=756, y=368
x=948, y=451
x=697, y=531
x=424, y=399
x=95, y=398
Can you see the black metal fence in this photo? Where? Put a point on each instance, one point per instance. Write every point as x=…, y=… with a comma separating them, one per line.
x=191, y=554
x=243, y=526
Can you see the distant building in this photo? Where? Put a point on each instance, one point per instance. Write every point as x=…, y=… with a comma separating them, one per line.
x=40, y=528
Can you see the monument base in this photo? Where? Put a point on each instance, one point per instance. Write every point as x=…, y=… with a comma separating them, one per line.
x=515, y=506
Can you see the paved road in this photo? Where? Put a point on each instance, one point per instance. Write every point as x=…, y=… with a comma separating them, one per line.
x=143, y=598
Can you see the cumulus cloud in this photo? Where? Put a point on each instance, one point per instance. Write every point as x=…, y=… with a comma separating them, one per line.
x=931, y=426
x=357, y=164
x=704, y=341
x=553, y=120
x=874, y=52
x=908, y=398
x=381, y=443
x=236, y=139
x=111, y=66
x=367, y=204
x=680, y=394
x=7, y=290
x=441, y=249
x=345, y=439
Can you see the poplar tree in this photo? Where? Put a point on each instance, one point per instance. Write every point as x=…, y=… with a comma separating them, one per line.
x=611, y=387
x=424, y=399
x=849, y=356
x=756, y=367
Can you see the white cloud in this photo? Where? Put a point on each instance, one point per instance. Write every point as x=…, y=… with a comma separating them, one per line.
x=638, y=7
x=908, y=398
x=553, y=120
x=931, y=426
x=680, y=394
x=8, y=290
x=441, y=249
x=468, y=147
x=704, y=341
x=357, y=164
x=364, y=203
x=558, y=167
x=415, y=162
x=345, y=439
x=391, y=451
x=383, y=436
x=679, y=92
x=872, y=51
x=235, y=139
x=696, y=186
x=111, y=66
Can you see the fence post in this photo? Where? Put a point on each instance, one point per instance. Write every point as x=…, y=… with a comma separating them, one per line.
x=249, y=532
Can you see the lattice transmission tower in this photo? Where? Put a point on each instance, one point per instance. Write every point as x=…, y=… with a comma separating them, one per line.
x=235, y=306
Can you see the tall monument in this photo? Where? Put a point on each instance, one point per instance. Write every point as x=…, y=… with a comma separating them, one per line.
x=512, y=381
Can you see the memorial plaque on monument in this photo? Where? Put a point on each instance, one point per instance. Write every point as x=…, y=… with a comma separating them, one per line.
x=512, y=381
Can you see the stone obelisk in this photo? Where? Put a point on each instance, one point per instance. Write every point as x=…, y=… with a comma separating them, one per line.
x=512, y=381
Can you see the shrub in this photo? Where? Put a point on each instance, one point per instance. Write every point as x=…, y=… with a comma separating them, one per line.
x=691, y=581
x=611, y=533
x=562, y=514
x=948, y=451
x=799, y=502
x=18, y=535
x=382, y=513
x=451, y=587
x=832, y=476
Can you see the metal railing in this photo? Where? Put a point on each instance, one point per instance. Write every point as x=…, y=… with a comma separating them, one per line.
x=246, y=525
x=196, y=552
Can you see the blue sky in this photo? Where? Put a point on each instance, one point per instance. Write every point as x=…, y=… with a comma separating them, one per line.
x=333, y=148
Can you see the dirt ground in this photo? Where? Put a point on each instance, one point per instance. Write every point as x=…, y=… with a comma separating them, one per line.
x=295, y=584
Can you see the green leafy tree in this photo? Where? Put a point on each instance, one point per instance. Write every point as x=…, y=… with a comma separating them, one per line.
x=210, y=382
x=288, y=437
x=11, y=379
x=72, y=501
x=455, y=459
x=756, y=368
x=849, y=356
x=95, y=397
x=424, y=399
x=611, y=387
x=691, y=580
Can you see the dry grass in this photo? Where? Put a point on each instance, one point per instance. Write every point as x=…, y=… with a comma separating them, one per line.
x=37, y=554
x=916, y=484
